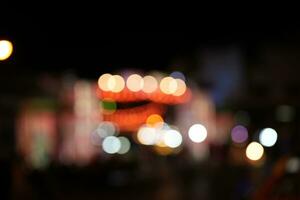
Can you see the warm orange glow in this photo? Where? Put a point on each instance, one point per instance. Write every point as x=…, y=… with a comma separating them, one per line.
x=157, y=96
x=132, y=118
x=164, y=151
x=154, y=119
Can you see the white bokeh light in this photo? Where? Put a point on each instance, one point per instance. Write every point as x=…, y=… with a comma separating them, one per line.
x=172, y=138
x=168, y=85
x=197, y=133
x=181, y=87
x=268, y=137
x=135, y=83
x=103, y=81
x=106, y=129
x=116, y=83
x=150, y=84
x=147, y=135
x=125, y=145
x=111, y=144
x=254, y=151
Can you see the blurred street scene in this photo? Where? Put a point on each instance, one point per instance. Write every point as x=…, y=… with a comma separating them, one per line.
x=149, y=115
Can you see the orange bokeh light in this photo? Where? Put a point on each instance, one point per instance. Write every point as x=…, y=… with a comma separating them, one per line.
x=154, y=119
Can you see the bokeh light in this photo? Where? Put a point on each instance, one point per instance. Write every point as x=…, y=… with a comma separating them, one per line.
x=293, y=165
x=268, y=137
x=163, y=150
x=154, y=120
x=150, y=84
x=197, y=133
x=116, y=83
x=254, y=151
x=147, y=135
x=103, y=82
x=106, y=129
x=181, y=87
x=160, y=135
x=125, y=145
x=168, y=85
x=111, y=145
x=109, y=106
x=135, y=83
x=239, y=134
x=178, y=75
x=6, y=49
x=172, y=138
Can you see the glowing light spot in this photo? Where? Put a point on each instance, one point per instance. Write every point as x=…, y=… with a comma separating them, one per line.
x=111, y=144
x=146, y=135
x=293, y=165
x=135, y=83
x=103, y=81
x=106, y=129
x=239, y=134
x=160, y=136
x=168, y=85
x=125, y=145
x=172, y=138
x=116, y=83
x=178, y=75
x=254, y=151
x=109, y=106
x=197, y=133
x=163, y=151
x=154, y=120
x=268, y=137
x=181, y=87
x=150, y=84
x=6, y=49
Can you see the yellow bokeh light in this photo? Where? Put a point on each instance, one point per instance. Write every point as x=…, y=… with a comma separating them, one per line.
x=163, y=151
x=168, y=85
x=103, y=81
x=181, y=87
x=116, y=83
x=6, y=49
x=153, y=120
x=150, y=84
x=135, y=83
x=254, y=151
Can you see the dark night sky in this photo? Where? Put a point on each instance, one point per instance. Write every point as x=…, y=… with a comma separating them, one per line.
x=54, y=44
